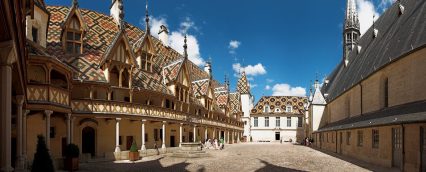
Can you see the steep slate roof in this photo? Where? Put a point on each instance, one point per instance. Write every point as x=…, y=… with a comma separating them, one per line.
x=280, y=102
x=100, y=37
x=398, y=35
x=411, y=112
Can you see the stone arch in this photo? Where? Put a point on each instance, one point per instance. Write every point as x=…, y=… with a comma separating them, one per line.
x=88, y=133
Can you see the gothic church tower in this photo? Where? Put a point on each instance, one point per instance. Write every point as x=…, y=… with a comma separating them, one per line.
x=351, y=30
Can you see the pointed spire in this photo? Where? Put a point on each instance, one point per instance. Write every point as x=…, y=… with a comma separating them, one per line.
x=148, y=30
x=351, y=19
x=227, y=82
x=351, y=30
x=243, y=85
x=185, y=47
x=75, y=3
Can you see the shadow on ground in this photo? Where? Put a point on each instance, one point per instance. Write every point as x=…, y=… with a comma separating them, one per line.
x=271, y=167
x=151, y=166
x=357, y=162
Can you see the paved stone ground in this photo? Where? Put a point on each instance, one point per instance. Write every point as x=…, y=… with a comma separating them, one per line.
x=240, y=158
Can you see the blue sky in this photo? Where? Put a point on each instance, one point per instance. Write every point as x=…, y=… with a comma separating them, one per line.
x=285, y=44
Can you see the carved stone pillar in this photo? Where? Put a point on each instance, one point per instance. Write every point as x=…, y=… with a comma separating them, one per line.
x=143, y=134
x=195, y=133
x=24, y=137
x=205, y=133
x=163, y=144
x=180, y=134
x=68, y=128
x=19, y=132
x=117, y=135
x=47, y=114
x=7, y=58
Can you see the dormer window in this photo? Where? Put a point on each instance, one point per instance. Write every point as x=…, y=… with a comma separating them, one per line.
x=267, y=109
x=73, y=37
x=147, y=60
x=289, y=109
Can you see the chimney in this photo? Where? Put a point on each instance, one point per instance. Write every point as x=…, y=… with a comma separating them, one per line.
x=208, y=68
x=163, y=35
x=117, y=11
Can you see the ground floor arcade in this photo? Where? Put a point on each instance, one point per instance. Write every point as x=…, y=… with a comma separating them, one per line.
x=401, y=146
x=104, y=137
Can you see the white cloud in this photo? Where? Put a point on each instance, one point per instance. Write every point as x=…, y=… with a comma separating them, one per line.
x=250, y=70
x=176, y=38
x=187, y=24
x=366, y=10
x=267, y=87
x=155, y=25
x=269, y=80
x=250, y=78
x=176, y=42
x=233, y=45
x=384, y=4
x=252, y=86
x=287, y=90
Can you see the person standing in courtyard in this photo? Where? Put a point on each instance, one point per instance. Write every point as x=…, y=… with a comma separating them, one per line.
x=222, y=143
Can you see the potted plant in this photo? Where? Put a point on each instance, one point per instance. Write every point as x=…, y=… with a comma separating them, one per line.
x=42, y=160
x=71, y=161
x=134, y=153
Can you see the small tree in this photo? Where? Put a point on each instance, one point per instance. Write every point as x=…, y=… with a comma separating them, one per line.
x=134, y=147
x=42, y=160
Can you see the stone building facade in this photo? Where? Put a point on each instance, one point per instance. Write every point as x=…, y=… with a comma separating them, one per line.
x=83, y=77
x=374, y=106
x=278, y=118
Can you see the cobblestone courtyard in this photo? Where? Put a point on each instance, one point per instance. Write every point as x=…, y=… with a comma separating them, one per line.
x=239, y=158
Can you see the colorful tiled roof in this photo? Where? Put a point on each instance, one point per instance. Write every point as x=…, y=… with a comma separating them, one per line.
x=171, y=71
x=200, y=87
x=280, y=103
x=243, y=86
x=97, y=40
x=221, y=97
x=235, y=102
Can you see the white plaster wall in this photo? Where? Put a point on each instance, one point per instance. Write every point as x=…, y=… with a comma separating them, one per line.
x=269, y=135
x=246, y=107
x=317, y=112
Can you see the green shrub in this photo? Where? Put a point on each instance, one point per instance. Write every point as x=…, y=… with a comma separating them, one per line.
x=72, y=151
x=134, y=147
x=42, y=160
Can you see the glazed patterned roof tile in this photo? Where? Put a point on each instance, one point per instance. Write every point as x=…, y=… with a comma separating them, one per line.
x=36, y=49
x=200, y=87
x=235, y=102
x=221, y=98
x=142, y=79
x=171, y=71
x=243, y=86
x=99, y=36
x=280, y=102
x=196, y=72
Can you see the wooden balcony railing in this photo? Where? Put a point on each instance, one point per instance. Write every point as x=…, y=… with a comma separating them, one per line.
x=42, y=93
x=113, y=107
